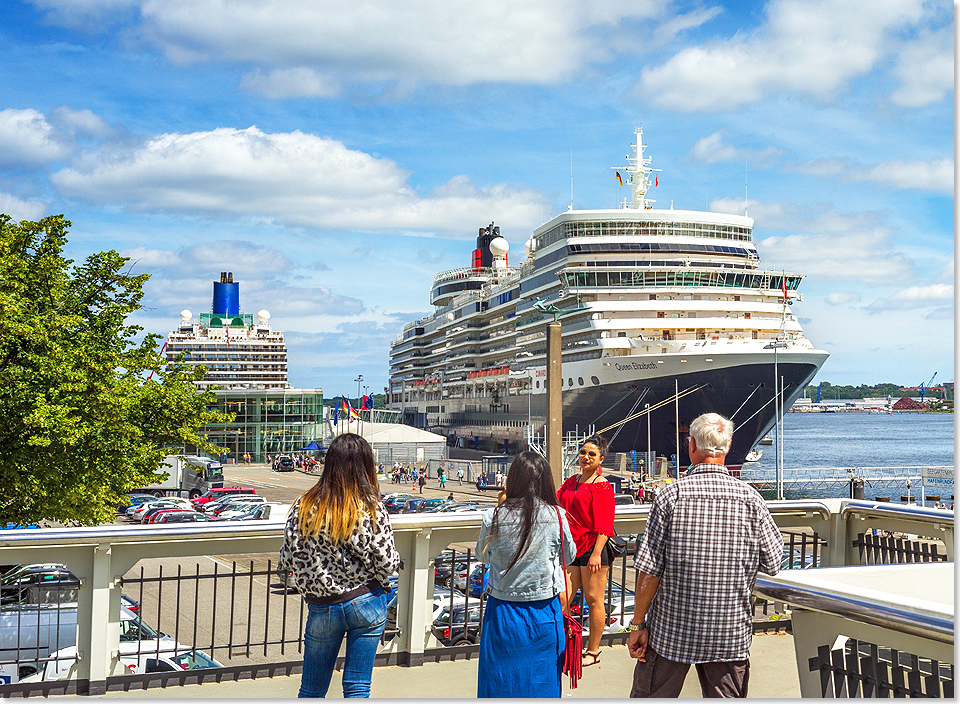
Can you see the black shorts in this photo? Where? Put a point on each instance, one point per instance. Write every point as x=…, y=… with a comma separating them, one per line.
x=585, y=557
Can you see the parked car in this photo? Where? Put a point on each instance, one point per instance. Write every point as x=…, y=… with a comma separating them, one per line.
x=620, y=603
x=441, y=599
x=154, y=514
x=284, y=463
x=623, y=500
x=430, y=505
x=459, y=626
x=390, y=497
x=215, y=508
x=140, y=658
x=445, y=573
x=398, y=504
x=47, y=583
x=134, y=500
x=478, y=580
x=240, y=509
x=136, y=512
x=183, y=517
x=455, y=506
x=214, y=494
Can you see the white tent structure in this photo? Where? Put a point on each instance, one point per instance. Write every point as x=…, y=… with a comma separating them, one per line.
x=395, y=442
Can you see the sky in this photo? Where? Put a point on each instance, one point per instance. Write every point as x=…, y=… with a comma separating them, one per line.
x=335, y=156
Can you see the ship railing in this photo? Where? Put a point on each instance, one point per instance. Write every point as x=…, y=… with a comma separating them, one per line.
x=216, y=587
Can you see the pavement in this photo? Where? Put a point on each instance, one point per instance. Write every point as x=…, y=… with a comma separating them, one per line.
x=773, y=675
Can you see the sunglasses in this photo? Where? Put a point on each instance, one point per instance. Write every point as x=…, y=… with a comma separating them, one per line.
x=589, y=454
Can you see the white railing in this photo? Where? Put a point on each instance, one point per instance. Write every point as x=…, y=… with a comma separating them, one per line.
x=101, y=556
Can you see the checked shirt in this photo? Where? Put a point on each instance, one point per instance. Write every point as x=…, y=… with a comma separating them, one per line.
x=707, y=536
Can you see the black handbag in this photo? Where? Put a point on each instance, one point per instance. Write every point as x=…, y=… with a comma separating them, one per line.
x=617, y=545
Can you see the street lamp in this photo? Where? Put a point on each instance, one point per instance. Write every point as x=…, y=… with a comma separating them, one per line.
x=649, y=464
x=358, y=380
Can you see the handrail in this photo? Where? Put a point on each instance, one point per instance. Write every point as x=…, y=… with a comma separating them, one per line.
x=886, y=510
x=917, y=624
x=804, y=507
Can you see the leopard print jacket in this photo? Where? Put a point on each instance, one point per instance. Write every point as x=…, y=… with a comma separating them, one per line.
x=322, y=568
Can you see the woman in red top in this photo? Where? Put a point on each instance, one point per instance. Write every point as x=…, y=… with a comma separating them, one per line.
x=588, y=500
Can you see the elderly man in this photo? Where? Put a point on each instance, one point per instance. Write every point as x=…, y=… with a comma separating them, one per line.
x=707, y=536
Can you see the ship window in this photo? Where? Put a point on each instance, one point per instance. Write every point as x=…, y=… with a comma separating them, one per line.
x=653, y=296
x=570, y=381
x=595, y=381
x=580, y=380
x=538, y=384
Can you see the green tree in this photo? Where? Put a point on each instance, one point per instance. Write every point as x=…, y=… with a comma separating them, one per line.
x=86, y=409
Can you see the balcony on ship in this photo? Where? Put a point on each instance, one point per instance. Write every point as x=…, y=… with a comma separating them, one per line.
x=864, y=606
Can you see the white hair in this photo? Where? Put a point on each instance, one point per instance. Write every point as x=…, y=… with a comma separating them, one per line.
x=713, y=434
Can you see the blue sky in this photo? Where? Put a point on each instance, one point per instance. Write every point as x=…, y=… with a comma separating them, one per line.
x=335, y=156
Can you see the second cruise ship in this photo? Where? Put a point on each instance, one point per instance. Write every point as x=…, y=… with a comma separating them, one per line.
x=666, y=314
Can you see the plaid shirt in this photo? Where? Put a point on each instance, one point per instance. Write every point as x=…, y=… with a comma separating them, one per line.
x=707, y=536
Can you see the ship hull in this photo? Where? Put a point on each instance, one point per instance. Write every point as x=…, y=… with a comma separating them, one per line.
x=739, y=387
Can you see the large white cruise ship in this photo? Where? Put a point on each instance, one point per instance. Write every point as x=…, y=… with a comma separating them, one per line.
x=666, y=308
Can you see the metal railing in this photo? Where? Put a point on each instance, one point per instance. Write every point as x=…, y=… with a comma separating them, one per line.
x=192, y=583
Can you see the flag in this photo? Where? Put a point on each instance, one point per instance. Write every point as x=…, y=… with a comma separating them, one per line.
x=366, y=403
x=783, y=280
x=228, y=337
x=336, y=413
x=348, y=410
x=656, y=180
x=619, y=180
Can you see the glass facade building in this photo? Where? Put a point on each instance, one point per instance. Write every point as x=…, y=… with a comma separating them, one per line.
x=268, y=421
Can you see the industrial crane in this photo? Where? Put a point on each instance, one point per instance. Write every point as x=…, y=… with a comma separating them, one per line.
x=925, y=387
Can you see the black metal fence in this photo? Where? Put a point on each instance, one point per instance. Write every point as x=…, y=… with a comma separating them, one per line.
x=886, y=548
x=861, y=669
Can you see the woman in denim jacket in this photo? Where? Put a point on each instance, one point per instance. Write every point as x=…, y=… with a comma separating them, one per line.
x=521, y=651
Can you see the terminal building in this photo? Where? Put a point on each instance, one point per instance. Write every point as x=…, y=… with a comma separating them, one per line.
x=246, y=361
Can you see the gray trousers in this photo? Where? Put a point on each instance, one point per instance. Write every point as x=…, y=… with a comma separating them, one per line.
x=661, y=678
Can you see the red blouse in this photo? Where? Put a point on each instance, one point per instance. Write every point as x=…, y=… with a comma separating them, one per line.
x=590, y=509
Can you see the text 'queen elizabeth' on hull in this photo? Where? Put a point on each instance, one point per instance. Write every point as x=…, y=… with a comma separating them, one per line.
x=666, y=309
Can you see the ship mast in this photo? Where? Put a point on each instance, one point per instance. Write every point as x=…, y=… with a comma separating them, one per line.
x=638, y=170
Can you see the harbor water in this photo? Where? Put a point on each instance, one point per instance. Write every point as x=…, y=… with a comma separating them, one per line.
x=859, y=440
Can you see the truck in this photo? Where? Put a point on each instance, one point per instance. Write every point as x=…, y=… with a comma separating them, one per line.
x=189, y=475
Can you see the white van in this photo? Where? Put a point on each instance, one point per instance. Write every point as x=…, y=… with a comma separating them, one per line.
x=29, y=634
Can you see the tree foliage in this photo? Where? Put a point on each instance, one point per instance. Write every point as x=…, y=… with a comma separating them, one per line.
x=81, y=424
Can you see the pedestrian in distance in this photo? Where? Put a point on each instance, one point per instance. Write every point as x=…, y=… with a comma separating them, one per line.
x=589, y=501
x=339, y=547
x=707, y=536
x=443, y=479
x=460, y=476
x=521, y=651
x=422, y=480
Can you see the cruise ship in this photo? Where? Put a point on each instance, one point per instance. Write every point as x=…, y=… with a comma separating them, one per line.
x=665, y=314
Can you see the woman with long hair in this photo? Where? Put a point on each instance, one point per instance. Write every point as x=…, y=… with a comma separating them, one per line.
x=521, y=651
x=339, y=547
x=589, y=501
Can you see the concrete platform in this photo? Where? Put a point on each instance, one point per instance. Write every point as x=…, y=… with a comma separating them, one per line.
x=773, y=675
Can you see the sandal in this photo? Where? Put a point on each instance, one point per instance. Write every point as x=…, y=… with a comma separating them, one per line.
x=595, y=658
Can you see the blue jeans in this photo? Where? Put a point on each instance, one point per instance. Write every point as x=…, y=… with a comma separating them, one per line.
x=362, y=620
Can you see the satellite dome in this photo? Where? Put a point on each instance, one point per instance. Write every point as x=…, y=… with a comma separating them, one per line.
x=499, y=246
x=185, y=316
x=263, y=317
x=530, y=247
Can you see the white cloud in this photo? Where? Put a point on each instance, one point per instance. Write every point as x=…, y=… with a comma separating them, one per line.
x=19, y=209
x=26, y=137
x=812, y=47
x=842, y=298
x=865, y=256
x=925, y=69
x=453, y=42
x=915, y=298
x=294, y=179
x=712, y=149
x=934, y=175
x=298, y=82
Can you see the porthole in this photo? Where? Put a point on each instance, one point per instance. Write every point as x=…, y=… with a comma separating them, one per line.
x=570, y=381
x=580, y=380
x=538, y=384
x=595, y=381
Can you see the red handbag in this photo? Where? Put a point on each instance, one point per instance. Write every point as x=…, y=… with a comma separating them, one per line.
x=573, y=653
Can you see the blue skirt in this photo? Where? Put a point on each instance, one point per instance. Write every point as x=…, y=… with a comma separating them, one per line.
x=521, y=649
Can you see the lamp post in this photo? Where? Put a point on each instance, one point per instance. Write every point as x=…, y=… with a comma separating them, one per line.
x=909, y=484
x=360, y=422
x=649, y=461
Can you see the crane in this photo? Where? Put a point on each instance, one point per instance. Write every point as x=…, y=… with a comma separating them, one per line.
x=925, y=387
